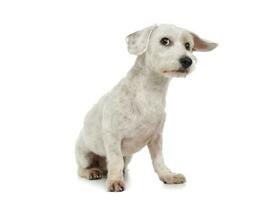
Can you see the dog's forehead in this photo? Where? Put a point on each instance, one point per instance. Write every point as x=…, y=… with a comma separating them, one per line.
x=172, y=31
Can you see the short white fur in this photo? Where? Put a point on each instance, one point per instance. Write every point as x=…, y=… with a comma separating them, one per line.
x=132, y=114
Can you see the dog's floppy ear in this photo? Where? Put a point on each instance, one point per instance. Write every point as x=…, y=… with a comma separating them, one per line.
x=202, y=45
x=138, y=41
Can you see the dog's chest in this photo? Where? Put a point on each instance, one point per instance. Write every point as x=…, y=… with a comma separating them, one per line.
x=147, y=118
x=140, y=135
x=149, y=110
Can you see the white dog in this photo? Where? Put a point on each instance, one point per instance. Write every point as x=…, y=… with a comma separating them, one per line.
x=132, y=114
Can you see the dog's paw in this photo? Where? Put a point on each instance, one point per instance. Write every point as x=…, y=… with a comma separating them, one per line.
x=95, y=174
x=115, y=185
x=173, y=178
x=91, y=174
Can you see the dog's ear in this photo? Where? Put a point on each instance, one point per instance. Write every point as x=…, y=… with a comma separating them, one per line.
x=138, y=41
x=202, y=45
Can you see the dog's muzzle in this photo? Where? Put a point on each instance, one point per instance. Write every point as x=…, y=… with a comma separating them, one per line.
x=186, y=63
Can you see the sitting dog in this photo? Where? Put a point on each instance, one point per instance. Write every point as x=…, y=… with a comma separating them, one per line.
x=132, y=114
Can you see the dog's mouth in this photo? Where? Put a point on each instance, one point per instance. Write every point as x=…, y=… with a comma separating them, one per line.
x=180, y=71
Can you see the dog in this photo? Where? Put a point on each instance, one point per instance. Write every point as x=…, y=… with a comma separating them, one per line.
x=132, y=114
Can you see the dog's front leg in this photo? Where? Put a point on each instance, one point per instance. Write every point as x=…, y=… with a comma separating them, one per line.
x=115, y=164
x=165, y=175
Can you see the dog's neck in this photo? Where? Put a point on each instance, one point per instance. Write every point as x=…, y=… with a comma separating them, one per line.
x=148, y=80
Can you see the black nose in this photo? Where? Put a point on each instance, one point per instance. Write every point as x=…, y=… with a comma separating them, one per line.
x=185, y=61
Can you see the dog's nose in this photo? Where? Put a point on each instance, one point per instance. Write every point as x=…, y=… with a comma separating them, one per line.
x=185, y=61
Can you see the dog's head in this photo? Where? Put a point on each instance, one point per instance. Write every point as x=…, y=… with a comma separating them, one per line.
x=168, y=49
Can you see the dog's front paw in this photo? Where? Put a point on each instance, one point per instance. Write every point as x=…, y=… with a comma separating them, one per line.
x=115, y=185
x=173, y=178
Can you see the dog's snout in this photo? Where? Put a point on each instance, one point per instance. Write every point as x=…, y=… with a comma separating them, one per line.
x=185, y=61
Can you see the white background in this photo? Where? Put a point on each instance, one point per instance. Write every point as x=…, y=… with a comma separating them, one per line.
x=222, y=130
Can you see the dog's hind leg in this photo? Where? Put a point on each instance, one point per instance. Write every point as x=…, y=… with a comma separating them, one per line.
x=90, y=165
x=91, y=173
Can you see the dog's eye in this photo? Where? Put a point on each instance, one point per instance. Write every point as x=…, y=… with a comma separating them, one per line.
x=188, y=46
x=165, y=41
